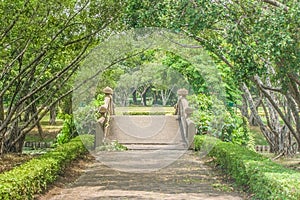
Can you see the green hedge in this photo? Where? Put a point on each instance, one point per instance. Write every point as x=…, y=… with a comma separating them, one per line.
x=146, y=113
x=33, y=176
x=266, y=179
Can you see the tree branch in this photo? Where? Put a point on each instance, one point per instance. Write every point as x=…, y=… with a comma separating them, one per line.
x=276, y=107
x=213, y=49
x=264, y=129
x=90, y=34
x=294, y=77
x=276, y=4
x=5, y=70
x=272, y=89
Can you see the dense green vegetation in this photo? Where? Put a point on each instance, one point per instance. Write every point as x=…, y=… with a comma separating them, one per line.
x=234, y=127
x=253, y=45
x=256, y=47
x=43, y=44
x=266, y=179
x=32, y=177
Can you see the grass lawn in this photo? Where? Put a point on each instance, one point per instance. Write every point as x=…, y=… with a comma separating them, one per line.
x=290, y=162
x=49, y=131
x=258, y=136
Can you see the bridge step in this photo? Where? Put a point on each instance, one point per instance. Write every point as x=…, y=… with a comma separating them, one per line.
x=156, y=146
x=147, y=132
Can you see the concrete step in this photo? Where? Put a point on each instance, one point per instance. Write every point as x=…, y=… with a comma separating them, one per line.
x=180, y=146
x=145, y=129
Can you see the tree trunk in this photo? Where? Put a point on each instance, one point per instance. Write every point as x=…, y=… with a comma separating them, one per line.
x=273, y=112
x=7, y=145
x=155, y=98
x=52, y=109
x=36, y=121
x=264, y=129
x=244, y=107
x=163, y=97
x=1, y=109
x=144, y=96
x=134, y=99
x=278, y=110
x=252, y=121
x=144, y=99
x=293, y=115
x=244, y=110
x=26, y=116
x=67, y=105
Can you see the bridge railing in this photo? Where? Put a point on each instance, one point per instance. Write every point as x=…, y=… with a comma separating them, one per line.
x=184, y=112
x=105, y=110
x=262, y=148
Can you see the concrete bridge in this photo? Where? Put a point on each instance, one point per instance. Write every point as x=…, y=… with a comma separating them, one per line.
x=158, y=164
x=158, y=140
x=147, y=131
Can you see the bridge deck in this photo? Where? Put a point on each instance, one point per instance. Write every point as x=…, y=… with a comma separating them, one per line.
x=147, y=131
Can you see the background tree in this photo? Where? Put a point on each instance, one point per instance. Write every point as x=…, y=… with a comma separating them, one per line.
x=258, y=44
x=42, y=46
x=255, y=44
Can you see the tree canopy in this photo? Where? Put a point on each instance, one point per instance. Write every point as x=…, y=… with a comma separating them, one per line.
x=42, y=46
x=255, y=44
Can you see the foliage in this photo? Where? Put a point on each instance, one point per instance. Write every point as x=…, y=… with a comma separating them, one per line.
x=32, y=177
x=188, y=71
x=85, y=119
x=202, y=114
x=266, y=179
x=147, y=13
x=68, y=130
x=99, y=100
x=231, y=84
x=259, y=139
x=43, y=44
x=156, y=73
x=113, y=146
x=110, y=78
x=85, y=116
x=254, y=43
x=234, y=128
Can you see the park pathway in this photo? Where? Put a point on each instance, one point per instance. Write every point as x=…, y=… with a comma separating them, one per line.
x=186, y=178
x=156, y=166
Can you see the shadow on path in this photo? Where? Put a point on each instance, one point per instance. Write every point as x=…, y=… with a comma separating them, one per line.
x=186, y=178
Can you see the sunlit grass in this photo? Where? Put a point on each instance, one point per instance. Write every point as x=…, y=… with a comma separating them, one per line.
x=259, y=138
x=49, y=131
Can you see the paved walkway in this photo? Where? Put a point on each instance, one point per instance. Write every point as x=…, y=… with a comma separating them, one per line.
x=186, y=178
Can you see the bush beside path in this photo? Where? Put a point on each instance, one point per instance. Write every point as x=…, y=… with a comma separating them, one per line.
x=264, y=178
x=34, y=176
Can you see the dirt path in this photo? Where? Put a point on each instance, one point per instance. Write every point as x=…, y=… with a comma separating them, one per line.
x=187, y=178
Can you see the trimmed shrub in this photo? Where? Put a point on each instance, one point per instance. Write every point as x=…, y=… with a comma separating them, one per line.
x=33, y=176
x=145, y=113
x=266, y=179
